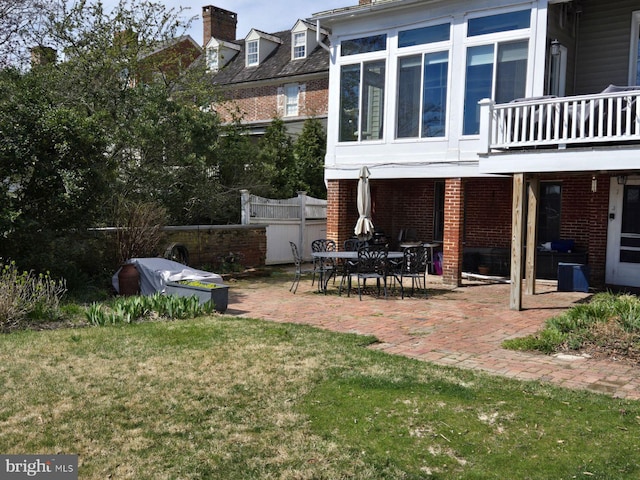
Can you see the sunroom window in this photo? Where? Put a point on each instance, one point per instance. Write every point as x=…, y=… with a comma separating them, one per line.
x=422, y=95
x=362, y=89
x=422, y=82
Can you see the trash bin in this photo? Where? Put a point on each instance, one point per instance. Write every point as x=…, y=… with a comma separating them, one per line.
x=573, y=277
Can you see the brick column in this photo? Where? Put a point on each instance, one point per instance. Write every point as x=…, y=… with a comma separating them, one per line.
x=453, y=231
x=340, y=200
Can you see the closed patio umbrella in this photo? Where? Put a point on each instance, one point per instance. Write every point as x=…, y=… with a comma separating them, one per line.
x=364, y=226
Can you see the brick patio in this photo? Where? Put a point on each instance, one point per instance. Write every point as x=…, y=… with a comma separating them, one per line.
x=462, y=327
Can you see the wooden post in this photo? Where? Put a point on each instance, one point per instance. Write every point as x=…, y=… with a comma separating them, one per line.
x=532, y=233
x=517, y=236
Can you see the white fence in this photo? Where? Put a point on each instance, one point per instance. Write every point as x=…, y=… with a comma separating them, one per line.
x=300, y=220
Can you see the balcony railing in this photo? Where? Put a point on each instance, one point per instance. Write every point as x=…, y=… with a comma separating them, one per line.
x=562, y=121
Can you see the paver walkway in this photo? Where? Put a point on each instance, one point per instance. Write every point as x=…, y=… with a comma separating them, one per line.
x=462, y=327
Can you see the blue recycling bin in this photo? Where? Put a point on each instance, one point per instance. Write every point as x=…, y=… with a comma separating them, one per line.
x=573, y=277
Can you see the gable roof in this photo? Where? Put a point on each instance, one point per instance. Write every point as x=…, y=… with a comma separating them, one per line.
x=278, y=64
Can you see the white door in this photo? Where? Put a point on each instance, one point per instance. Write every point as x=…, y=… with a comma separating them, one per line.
x=623, y=240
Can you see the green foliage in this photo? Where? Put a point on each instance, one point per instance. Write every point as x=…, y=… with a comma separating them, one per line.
x=309, y=151
x=276, y=155
x=608, y=319
x=25, y=295
x=125, y=310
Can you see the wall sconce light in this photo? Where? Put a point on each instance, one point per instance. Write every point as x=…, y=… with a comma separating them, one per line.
x=622, y=179
x=594, y=184
x=555, y=47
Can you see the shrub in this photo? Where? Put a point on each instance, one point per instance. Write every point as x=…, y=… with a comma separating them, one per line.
x=27, y=295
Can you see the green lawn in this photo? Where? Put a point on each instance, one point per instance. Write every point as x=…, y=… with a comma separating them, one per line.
x=225, y=398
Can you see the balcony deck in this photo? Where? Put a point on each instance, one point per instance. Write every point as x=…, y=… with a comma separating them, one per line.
x=534, y=134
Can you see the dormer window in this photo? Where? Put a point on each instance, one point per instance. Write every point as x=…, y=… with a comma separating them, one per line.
x=299, y=45
x=212, y=59
x=252, y=53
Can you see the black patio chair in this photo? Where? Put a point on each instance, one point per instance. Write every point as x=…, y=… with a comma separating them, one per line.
x=372, y=264
x=299, y=271
x=324, y=267
x=414, y=264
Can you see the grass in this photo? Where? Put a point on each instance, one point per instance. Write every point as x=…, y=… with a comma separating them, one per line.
x=609, y=325
x=226, y=398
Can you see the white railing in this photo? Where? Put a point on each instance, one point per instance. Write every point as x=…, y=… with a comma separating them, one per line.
x=561, y=121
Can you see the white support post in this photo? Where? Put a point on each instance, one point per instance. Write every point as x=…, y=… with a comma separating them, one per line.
x=486, y=122
x=245, y=207
x=302, y=197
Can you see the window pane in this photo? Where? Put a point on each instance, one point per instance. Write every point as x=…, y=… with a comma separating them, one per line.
x=252, y=53
x=349, y=102
x=373, y=100
x=374, y=43
x=499, y=23
x=420, y=36
x=478, y=85
x=291, y=102
x=409, y=78
x=299, y=40
x=511, y=78
x=631, y=210
x=434, y=103
x=638, y=64
x=549, y=212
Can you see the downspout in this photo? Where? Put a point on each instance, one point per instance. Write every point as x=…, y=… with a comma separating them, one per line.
x=326, y=47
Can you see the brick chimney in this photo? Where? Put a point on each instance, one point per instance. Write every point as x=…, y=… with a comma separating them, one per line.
x=218, y=23
x=42, y=56
x=364, y=2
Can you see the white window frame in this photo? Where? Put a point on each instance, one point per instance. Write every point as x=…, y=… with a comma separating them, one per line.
x=423, y=49
x=213, y=59
x=496, y=39
x=299, y=42
x=291, y=101
x=251, y=53
x=633, y=48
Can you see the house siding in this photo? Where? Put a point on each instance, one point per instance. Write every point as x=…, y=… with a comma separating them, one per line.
x=604, y=39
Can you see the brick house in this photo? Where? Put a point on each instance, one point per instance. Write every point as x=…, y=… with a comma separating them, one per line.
x=505, y=129
x=266, y=75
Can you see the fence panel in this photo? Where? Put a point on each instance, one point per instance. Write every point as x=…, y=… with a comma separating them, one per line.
x=301, y=220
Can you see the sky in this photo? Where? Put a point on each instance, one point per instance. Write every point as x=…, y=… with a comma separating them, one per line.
x=266, y=15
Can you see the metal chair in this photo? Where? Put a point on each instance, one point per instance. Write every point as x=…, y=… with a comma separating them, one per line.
x=324, y=267
x=353, y=244
x=372, y=264
x=414, y=265
x=297, y=260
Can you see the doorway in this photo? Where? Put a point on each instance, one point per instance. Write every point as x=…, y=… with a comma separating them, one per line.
x=623, y=239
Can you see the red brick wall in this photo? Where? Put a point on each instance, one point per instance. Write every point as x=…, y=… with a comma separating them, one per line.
x=405, y=203
x=260, y=103
x=488, y=212
x=208, y=244
x=454, y=193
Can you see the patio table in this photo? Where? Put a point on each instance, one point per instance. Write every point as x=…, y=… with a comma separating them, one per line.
x=349, y=255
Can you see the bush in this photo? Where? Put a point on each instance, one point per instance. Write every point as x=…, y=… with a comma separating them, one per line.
x=27, y=295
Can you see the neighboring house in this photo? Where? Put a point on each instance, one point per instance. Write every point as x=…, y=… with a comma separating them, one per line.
x=407, y=83
x=169, y=59
x=266, y=75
